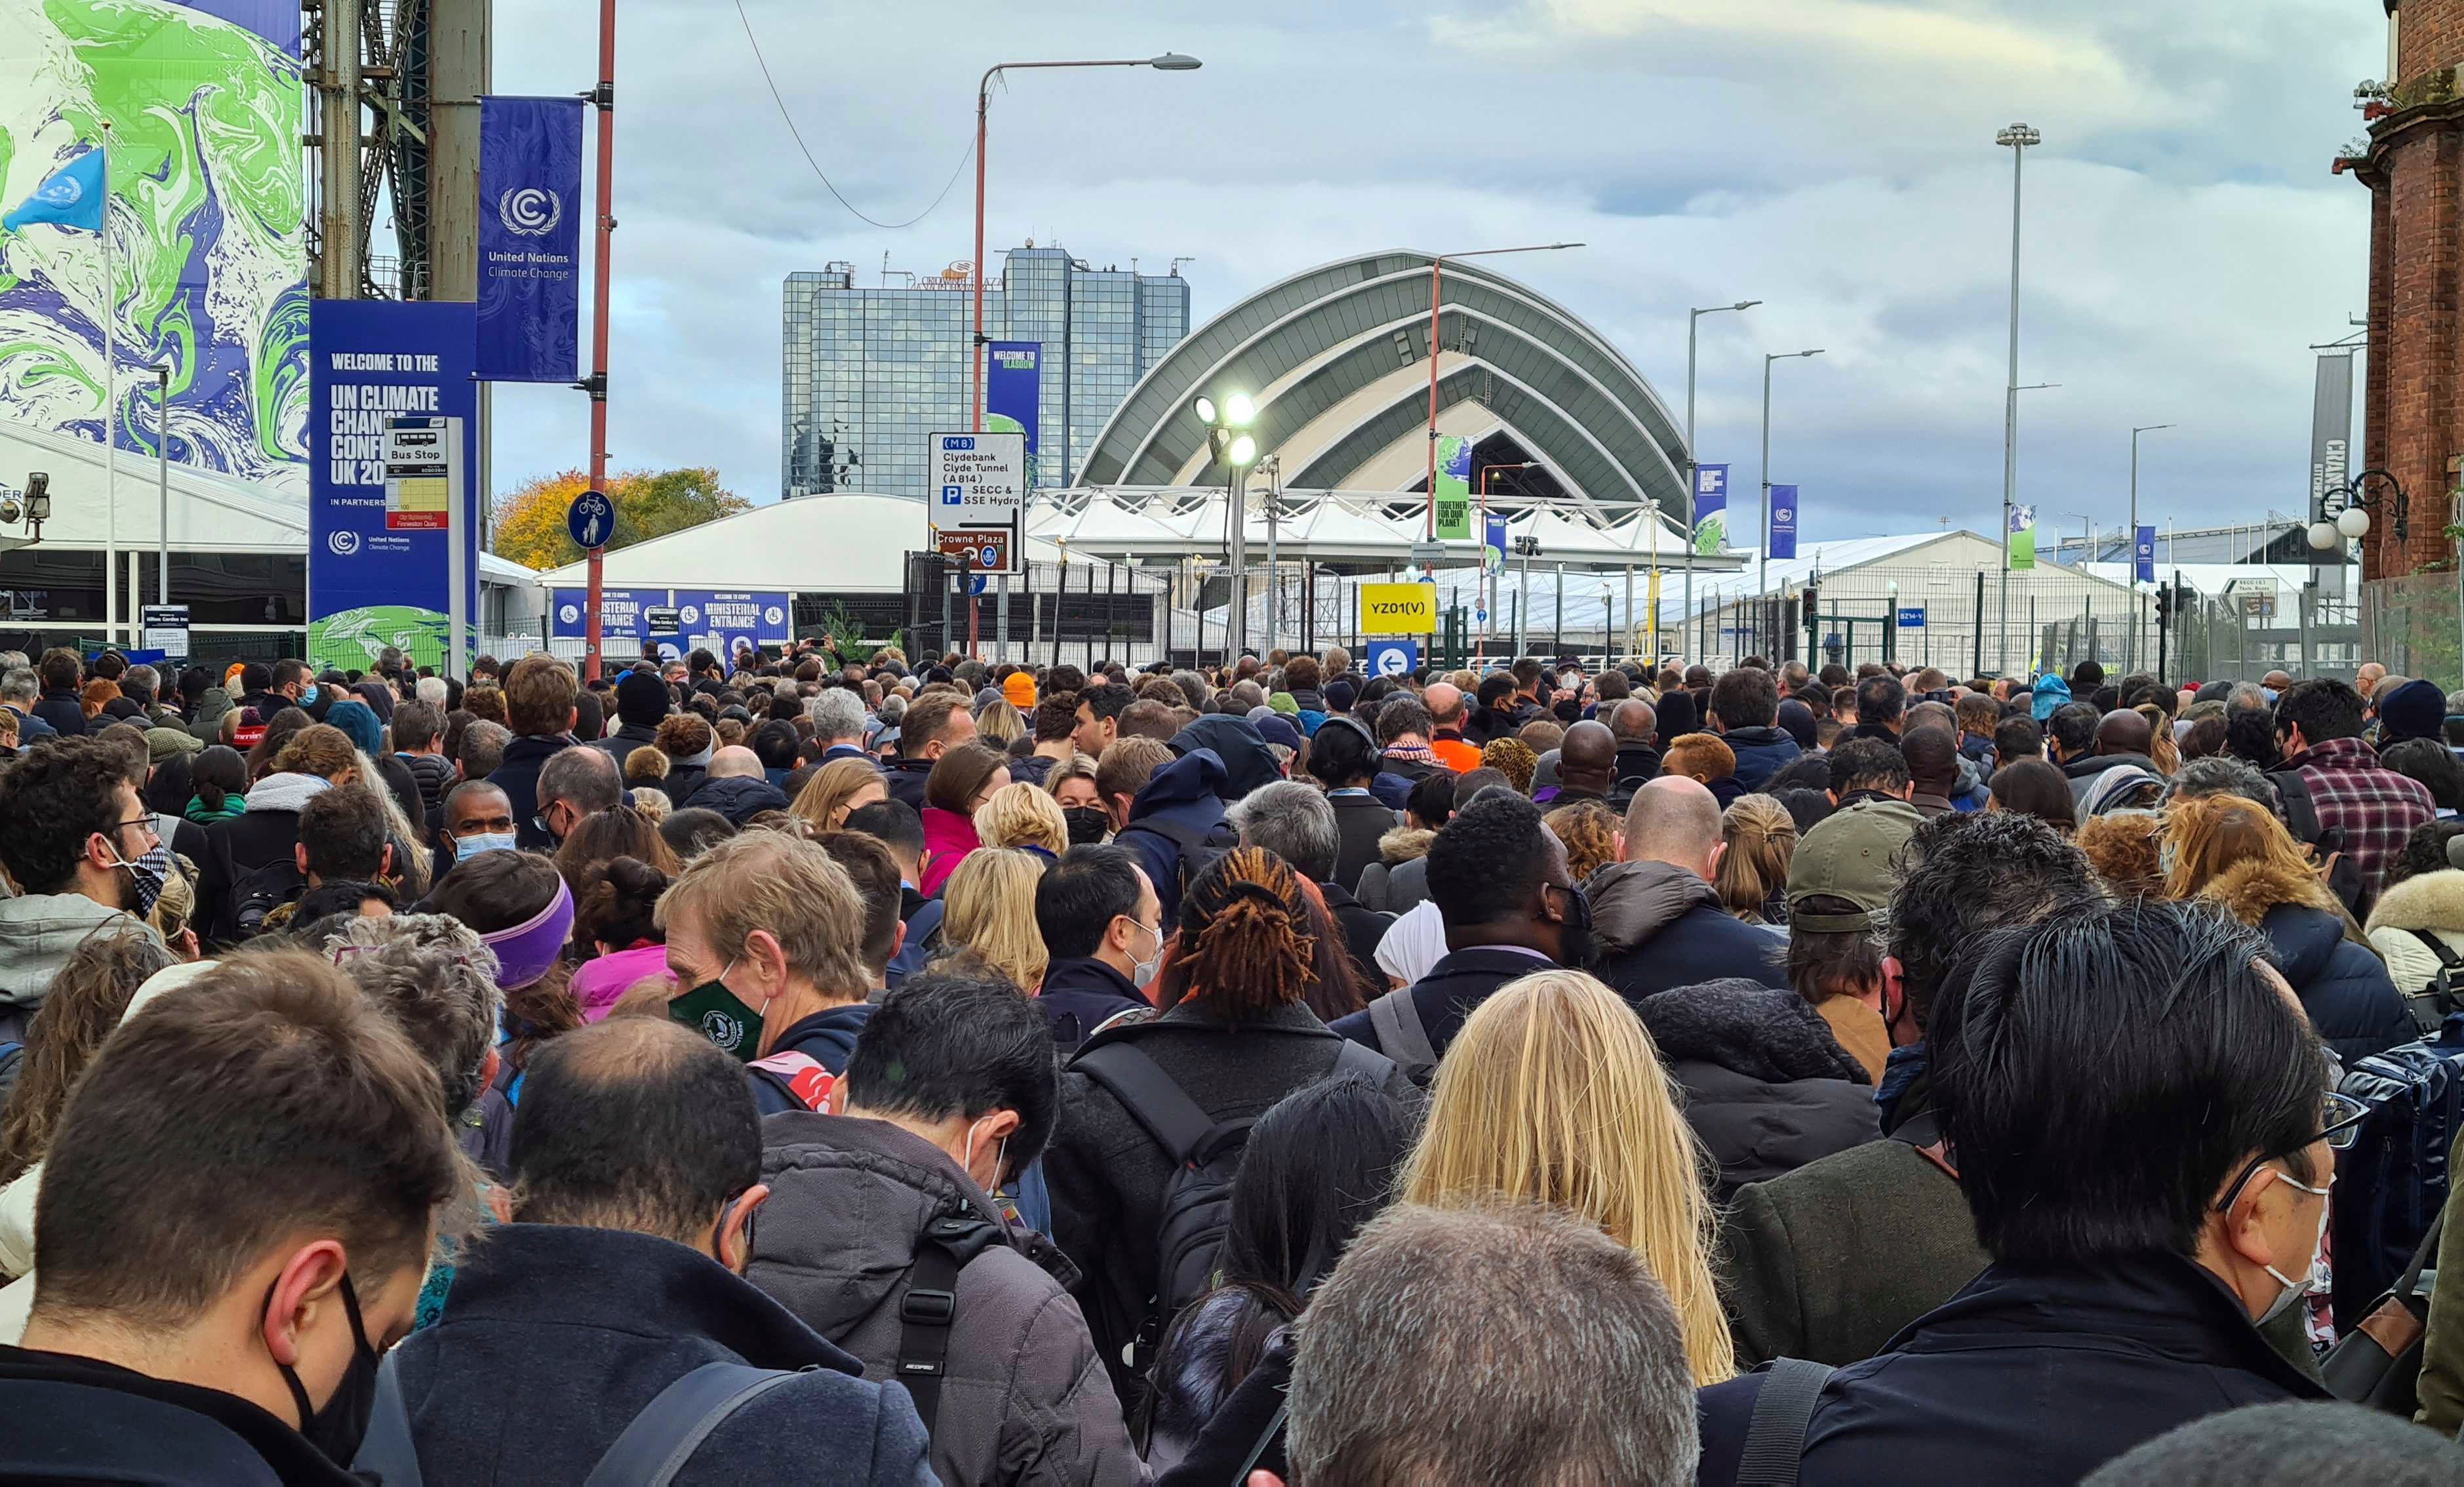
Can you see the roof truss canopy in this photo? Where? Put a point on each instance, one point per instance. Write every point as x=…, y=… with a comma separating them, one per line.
x=1337, y=360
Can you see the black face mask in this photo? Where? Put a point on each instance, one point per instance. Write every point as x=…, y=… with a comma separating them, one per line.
x=1088, y=824
x=1576, y=950
x=338, y=1429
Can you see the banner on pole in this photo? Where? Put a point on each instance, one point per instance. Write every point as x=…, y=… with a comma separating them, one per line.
x=1710, y=508
x=530, y=239
x=371, y=583
x=2144, y=558
x=2022, y=539
x=2331, y=428
x=1492, y=540
x=1453, y=494
x=1783, y=521
x=1014, y=397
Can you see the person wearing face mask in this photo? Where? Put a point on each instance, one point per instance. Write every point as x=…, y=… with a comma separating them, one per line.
x=1499, y=885
x=951, y=1093
x=1102, y=928
x=478, y=818
x=80, y=847
x=2151, y=1189
x=637, y=1156
x=765, y=942
x=238, y=1341
x=1072, y=784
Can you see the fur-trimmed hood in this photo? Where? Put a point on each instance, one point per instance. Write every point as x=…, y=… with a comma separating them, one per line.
x=2432, y=901
x=1406, y=842
x=2247, y=890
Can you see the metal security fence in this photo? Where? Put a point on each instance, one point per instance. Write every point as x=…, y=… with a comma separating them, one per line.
x=2250, y=630
x=1050, y=614
x=2414, y=627
x=1953, y=617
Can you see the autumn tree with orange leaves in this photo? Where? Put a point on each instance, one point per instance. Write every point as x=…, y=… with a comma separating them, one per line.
x=530, y=518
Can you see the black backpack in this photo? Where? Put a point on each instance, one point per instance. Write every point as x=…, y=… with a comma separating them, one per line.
x=1196, y=850
x=1205, y=1154
x=2431, y=1002
x=2301, y=820
x=263, y=892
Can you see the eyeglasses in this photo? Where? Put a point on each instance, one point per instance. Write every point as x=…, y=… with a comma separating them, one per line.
x=2340, y=1125
x=146, y=822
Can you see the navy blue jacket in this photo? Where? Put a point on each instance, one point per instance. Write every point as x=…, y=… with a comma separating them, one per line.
x=1661, y=927
x=79, y=1419
x=740, y=797
x=1761, y=753
x=827, y=1037
x=518, y=776
x=2032, y=1376
x=1188, y=793
x=554, y=1337
x=906, y=779
x=2342, y=984
x=1080, y=996
x=1446, y=997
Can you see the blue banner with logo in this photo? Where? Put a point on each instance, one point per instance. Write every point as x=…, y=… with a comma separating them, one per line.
x=1783, y=521
x=530, y=239
x=1013, y=397
x=373, y=582
x=623, y=625
x=720, y=620
x=1710, y=508
x=2144, y=556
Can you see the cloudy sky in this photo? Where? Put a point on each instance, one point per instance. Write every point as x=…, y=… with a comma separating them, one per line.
x=2184, y=241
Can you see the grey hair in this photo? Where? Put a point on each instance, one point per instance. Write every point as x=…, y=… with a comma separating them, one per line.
x=433, y=691
x=438, y=980
x=1192, y=686
x=1294, y=821
x=2279, y=1445
x=586, y=778
x=2222, y=774
x=1572, y=1348
x=18, y=683
x=837, y=714
x=2246, y=697
x=143, y=675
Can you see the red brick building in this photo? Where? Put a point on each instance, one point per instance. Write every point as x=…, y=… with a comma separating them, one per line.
x=2413, y=395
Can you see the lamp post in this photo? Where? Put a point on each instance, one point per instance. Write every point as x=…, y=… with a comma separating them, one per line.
x=2136, y=626
x=1487, y=471
x=1762, y=555
x=2017, y=138
x=1228, y=435
x=1693, y=461
x=1272, y=467
x=162, y=485
x=1437, y=275
x=1168, y=62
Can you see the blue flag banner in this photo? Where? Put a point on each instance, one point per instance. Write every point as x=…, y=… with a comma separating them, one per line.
x=72, y=196
x=1493, y=537
x=1014, y=397
x=719, y=621
x=1783, y=521
x=1710, y=508
x=374, y=582
x=2143, y=557
x=530, y=239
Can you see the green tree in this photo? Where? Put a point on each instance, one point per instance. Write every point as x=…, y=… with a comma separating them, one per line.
x=530, y=518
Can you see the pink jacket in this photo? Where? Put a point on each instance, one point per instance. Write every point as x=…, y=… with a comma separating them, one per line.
x=600, y=982
x=948, y=838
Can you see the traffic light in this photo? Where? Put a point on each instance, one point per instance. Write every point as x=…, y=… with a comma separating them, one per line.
x=1807, y=616
x=2164, y=603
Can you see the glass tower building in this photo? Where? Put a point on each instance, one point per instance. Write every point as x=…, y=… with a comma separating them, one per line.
x=869, y=372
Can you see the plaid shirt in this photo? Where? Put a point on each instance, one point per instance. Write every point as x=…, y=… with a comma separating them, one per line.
x=2375, y=808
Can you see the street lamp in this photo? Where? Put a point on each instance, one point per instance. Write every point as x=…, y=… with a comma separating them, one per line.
x=2018, y=139
x=1437, y=273
x=1168, y=62
x=1693, y=463
x=1762, y=556
x=2135, y=625
x=2350, y=516
x=1228, y=438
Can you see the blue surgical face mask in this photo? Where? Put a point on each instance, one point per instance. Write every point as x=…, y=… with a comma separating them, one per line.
x=466, y=848
x=308, y=695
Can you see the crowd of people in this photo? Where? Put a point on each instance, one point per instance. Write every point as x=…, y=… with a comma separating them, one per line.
x=802, y=1067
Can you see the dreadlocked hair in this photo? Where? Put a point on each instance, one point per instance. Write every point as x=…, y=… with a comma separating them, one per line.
x=1246, y=940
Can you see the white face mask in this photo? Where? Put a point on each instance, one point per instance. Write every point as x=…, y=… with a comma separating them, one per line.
x=1144, y=971
x=1001, y=1153
x=2294, y=1290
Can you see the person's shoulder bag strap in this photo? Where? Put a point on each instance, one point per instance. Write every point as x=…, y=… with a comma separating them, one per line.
x=1362, y=1059
x=658, y=1442
x=386, y=1451
x=1400, y=1032
x=930, y=1309
x=1775, y=1438
x=1177, y=1122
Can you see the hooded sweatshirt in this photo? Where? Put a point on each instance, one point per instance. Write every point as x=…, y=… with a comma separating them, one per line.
x=1186, y=796
x=1247, y=763
x=208, y=724
x=38, y=932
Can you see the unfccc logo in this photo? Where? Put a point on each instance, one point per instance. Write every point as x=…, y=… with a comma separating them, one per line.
x=529, y=212
x=343, y=544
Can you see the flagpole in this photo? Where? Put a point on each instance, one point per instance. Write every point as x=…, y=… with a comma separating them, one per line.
x=110, y=418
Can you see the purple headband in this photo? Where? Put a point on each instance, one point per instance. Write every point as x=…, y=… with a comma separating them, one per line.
x=530, y=950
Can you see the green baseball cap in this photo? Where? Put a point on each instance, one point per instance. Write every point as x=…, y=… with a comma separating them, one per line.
x=1850, y=856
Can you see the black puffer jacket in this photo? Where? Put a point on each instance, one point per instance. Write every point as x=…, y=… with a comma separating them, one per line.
x=1766, y=1087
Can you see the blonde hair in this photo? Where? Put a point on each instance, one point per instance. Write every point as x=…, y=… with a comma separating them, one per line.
x=1022, y=815
x=1000, y=723
x=2162, y=746
x=1552, y=1093
x=1762, y=841
x=833, y=786
x=990, y=909
x=2220, y=842
x=768, y=879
